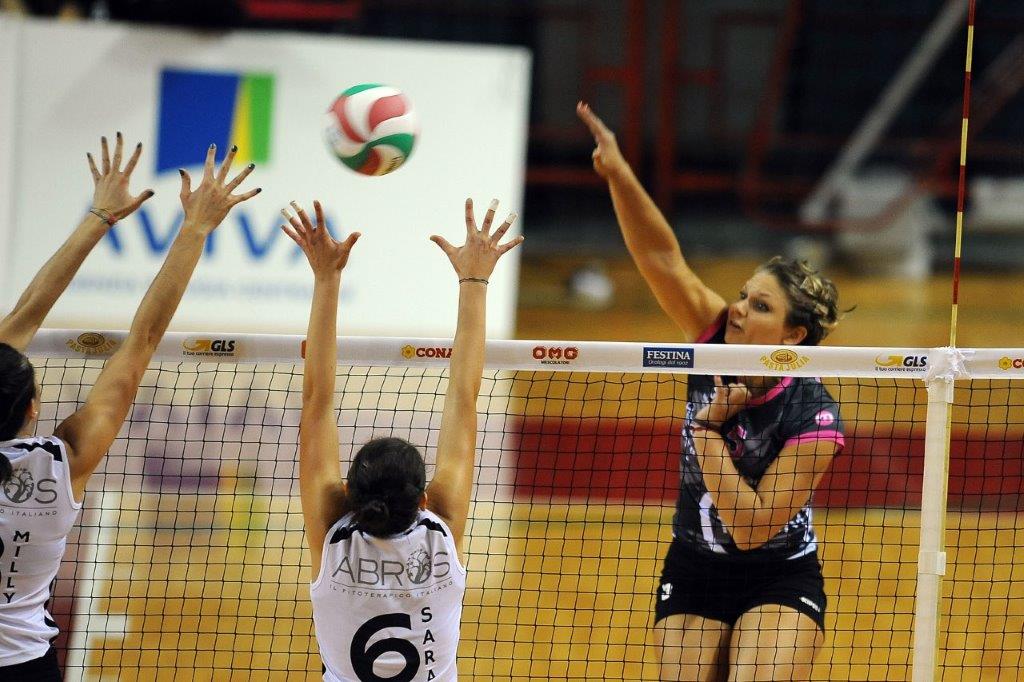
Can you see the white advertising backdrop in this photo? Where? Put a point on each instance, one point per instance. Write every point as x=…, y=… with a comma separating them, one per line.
x=72, y=83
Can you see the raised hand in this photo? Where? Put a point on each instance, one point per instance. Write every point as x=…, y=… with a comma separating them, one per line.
x=608, y=159
x=477, y=257
x=325, y=254
x=111, y=199
x=208, y=204
x=729, y=399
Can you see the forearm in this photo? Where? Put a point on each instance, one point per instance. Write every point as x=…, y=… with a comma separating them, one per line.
x=321, y=361
x=467, y=363
x=739, y=506
x=53, y=278
x=644, y=228
x=164, y=294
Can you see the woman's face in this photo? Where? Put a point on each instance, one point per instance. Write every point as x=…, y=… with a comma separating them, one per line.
x=758, y=316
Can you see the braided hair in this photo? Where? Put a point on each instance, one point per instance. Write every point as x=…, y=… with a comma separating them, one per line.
x=813, y=299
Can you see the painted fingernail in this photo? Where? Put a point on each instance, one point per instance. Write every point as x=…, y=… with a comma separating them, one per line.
x=138, y=145
x=258, y=190
x=181, y=172
x=251, y=166
x=103, y=139
x=234, y=147
x=493, y=206
x=119, y=134
x=284, y=212
x=213, y=146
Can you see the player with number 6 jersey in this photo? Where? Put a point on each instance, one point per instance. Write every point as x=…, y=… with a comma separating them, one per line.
x=387, y=576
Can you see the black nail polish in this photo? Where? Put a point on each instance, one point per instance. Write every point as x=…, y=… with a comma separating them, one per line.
x=138, y=145
x=258, y=190
x=119, y=133
x=181, y=172
x=234, y=147
x=251, y=166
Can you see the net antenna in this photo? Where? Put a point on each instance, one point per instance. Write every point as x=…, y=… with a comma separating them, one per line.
x=935, y=484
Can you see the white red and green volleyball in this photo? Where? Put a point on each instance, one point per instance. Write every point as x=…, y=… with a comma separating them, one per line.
x=371, y=128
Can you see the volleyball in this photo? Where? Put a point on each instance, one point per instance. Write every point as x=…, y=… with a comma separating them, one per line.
x=371, y=128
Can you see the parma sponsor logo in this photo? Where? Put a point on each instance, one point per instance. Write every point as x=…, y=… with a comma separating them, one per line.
x=656, y=356
x=784, y=359
x=91, y=343
x=900, y=363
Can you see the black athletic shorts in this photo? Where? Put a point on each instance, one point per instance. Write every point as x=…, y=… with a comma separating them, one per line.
x=42, y=669
x=723, y=589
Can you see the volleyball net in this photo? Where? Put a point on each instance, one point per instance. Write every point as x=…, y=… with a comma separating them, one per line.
x=188, y=558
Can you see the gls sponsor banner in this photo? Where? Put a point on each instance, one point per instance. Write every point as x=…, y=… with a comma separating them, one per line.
x=179, y=92
x=668, y=357
x=901, y=363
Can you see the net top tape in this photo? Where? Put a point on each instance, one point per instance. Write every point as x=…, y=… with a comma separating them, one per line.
x=559, y=356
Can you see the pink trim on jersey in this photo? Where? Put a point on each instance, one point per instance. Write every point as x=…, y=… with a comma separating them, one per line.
x=834, y=436
x=706, y=335
x=772, y=392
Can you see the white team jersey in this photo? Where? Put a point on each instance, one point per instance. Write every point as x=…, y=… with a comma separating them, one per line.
x=389, y=608
x=37, y=511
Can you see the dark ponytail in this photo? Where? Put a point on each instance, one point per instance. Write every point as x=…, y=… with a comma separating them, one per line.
x=385, y=484
x=17, y=389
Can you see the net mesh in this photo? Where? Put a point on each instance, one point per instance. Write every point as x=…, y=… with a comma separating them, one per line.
x=188, y=559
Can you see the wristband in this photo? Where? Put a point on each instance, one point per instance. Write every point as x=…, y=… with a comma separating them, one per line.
x=473, y=279
x=104, y=215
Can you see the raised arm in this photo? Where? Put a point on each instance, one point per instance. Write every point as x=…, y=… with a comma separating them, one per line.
x=650, y=239
x=91, y=430
x=321, y=487
x=111, y=202
x=448, y=494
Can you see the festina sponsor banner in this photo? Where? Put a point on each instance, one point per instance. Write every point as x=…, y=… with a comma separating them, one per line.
x=179, y=91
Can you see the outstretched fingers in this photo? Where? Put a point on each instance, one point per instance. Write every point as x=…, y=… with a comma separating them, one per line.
x=134, y=205
x=92, y=167
x=118, y=151
x=208, y=166
x=242, y=175
x=594, y=124
x=105, y=155
x=445, y=245
x=318, y=209
x=304, y=217
x=225, y=165
x=508, y=246
x=470, y=218
x=503, y=228
x=186, y=184
x=492, y=208
x=133, y=160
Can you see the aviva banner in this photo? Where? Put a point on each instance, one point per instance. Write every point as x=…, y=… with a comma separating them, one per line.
x=177, y=92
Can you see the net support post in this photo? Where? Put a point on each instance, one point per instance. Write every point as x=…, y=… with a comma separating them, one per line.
x=931, y=562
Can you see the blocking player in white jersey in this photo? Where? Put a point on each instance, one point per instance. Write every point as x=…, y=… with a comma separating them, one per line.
x=387, y=578
x=43, y=479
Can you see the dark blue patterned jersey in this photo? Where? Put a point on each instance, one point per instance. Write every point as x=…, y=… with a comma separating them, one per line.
x=795, y=410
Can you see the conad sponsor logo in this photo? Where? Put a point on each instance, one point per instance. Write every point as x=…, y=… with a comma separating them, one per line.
x=409, y=352
x=1007, y=363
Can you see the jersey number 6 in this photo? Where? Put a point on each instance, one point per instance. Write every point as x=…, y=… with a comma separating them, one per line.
x=363, y=656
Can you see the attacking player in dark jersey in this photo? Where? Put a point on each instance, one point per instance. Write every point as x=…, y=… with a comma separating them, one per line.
x=741, y=593
x=34, y=527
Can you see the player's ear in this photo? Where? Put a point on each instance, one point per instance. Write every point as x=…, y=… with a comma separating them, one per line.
x=794, y=335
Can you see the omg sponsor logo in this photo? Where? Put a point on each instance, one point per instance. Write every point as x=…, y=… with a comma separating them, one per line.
x=409, y=352
x=668, y=357
x=900, y=363
x=209, y=348
x=555, y=355
x=784, y=359
x=1007, y=363
x=91, y=343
